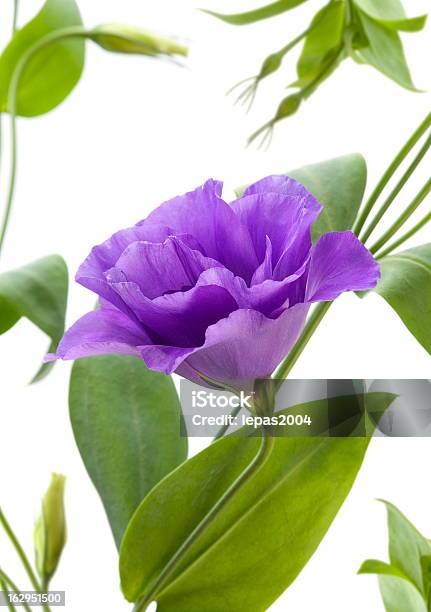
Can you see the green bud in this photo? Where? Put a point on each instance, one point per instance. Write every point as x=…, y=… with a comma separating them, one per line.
x=128, y=39
x=50, y=530
x=270, y=65
x=288, y=106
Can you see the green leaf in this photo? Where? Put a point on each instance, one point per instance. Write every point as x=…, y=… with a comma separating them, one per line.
x=126, y=422
x=339, y=185
x=426, y=575
x=37, y=291
x=391, y=14
x=325, y=35
x=270, y=10
x=406, y=285
x=372, y=566
x=385, y=52
x=404, y=583
x=406, y=546
x=53, y=72
x=281, y=514
x=400, y=596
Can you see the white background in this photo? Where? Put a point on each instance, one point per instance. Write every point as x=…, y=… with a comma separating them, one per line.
x=134, y=133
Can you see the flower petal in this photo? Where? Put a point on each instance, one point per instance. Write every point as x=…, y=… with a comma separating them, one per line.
x=203, y=214
x=265, y=297
x=277, y=183
x=158, y=268
x=247, y=345
x=179, y=319
x=104, y=256
x=101, y=332
x=264, y=271
x=285, y=216
x=340, y=262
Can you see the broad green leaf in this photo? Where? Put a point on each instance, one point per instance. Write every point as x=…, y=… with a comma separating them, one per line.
x=339, y=185
x=400, y=596
x=53, y=72
x=406, y=546
x=37, y=291
x=126, y=422
x=385, y=52
x=391, y=14
x=270, y=10
x=325, y=35
x=282, y=513
x=406, y=285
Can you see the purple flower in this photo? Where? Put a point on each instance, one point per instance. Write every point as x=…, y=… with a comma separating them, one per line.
x=203, y=286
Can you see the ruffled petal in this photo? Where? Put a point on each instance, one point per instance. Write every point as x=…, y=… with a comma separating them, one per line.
x=158, y=268
x=264, y=271
x=284, y=216
x=266, y=297
x=203, y=214
x=247, y=345
x=101, y=332
x=91, y=273
x=278, y=183
x=340, y=262
x=244, y=346
x=178, y=319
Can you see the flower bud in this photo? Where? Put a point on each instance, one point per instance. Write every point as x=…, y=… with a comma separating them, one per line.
x=50, y=530
x=128, y=39
x=288, y=106
x=270, y=65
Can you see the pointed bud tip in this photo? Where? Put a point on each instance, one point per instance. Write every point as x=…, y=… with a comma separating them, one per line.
x=119, y=38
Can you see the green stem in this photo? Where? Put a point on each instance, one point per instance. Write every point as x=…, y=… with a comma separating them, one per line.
x=12, y=178
x=53, y=37
x=256, y=464
x=12, y=103
x=15, y=16
x=5, y=580
x=292, y=44
x=22, y=556
x=405, y=236
x=398, y=187
x=4, y=588
x=392, y=168
x=405, y=216
x=221, y=432
x=310, y=327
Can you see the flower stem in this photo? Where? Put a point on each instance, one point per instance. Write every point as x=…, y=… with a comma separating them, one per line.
x=265, y=449
x=405, y=236
x=21, y=554
x=392, y=168
x=12, y=109
x=398, y=187
x=15, y=16
x=310, y=327
x=5, y=583
x=4, y=588
x=221, y=432
x=405, y=216
x=12, y=177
